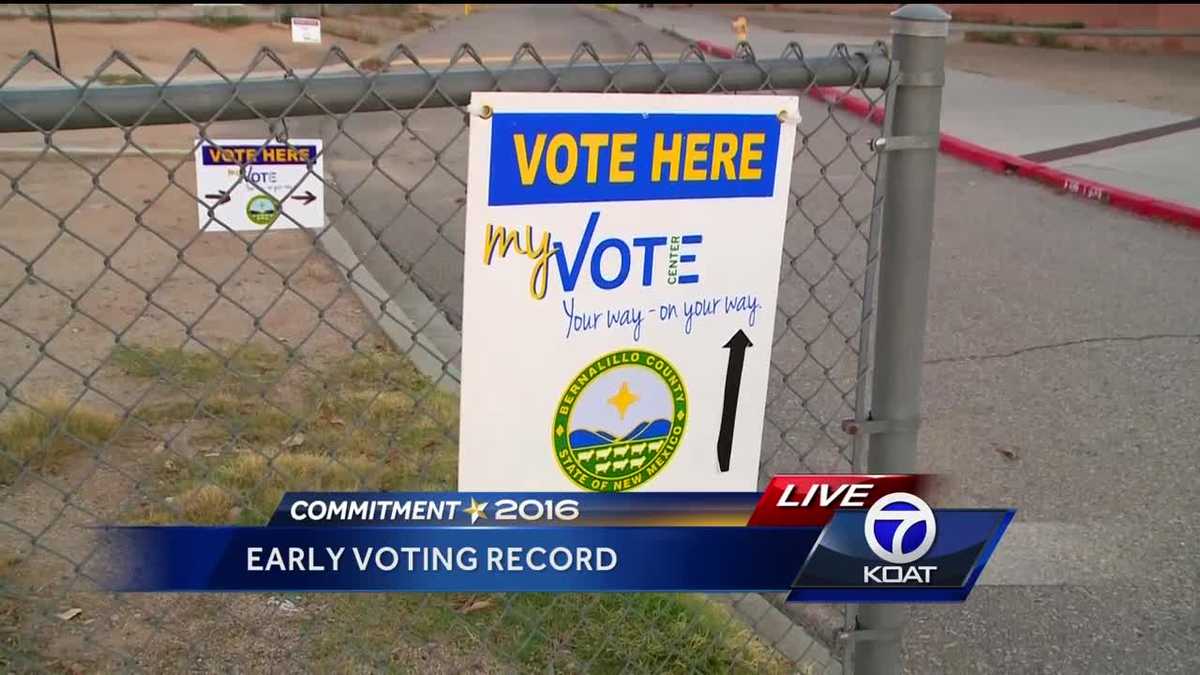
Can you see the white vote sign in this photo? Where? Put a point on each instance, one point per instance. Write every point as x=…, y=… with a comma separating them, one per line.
x=306, y=30
x=252, y=184
x=622, y=264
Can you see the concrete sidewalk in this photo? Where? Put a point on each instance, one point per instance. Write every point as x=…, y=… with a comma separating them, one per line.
x=1122, y=145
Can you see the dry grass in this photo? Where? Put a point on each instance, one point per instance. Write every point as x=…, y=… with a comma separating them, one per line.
x=536, y=632
x=375, y=24
x=260, y=482
x=300, y=471
x=223, y=22
x=373, y=63
x=1043, y=39
x=252, y=363
x=119, y=79
x=995, y=37
x=352, y=32
x=42, y=437
x=206, y=505
x=18, y=647
x=351, y=29
x=371, y=421
x=228, y=419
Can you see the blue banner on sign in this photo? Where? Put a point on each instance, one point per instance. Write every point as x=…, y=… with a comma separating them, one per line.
x=241, y=154
x=554, y=158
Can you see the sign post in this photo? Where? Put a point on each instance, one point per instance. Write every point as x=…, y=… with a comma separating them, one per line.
x=306, y=30
x=255, y=184
x=622, y=265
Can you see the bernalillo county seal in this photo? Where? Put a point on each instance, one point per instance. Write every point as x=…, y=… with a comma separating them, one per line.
x=262, y=210
x=620, y=421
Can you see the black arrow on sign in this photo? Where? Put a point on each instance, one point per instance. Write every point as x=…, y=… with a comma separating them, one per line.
x=221, y=196
x=308, y=197
x=733, y=383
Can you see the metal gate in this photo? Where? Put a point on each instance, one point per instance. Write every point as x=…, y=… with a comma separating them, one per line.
x=153, y=373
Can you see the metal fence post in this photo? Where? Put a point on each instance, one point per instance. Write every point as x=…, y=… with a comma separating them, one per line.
x=918, y=43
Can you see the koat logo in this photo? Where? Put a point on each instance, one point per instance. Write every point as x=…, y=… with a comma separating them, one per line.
x=900, y=528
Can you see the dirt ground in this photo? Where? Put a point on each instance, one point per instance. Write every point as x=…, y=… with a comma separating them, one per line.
x=158, y=47
x=146, y=284
x=132, y=263
x=1156, y=81
x=127, y=260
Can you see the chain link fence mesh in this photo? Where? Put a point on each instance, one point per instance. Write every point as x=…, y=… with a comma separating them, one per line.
x=151, y=372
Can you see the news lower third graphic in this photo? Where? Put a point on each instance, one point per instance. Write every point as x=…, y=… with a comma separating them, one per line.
x=820, y=538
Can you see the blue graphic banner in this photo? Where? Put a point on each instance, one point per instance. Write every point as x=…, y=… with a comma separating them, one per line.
x=457, y=559
x=514, y=542
x=553, y=158
x=514, y=509
x=843, y=568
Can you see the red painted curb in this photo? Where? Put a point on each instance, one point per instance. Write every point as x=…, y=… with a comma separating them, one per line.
x=847, y=100
x=1001, y=162
x=715, y=50
x=1120, y=198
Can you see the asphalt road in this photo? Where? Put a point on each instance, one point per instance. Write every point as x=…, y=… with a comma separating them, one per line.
x=1061, y=378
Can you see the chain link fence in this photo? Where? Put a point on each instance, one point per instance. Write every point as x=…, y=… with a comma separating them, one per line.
x=152, y=372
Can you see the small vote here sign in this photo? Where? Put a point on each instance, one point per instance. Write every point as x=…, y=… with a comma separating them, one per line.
x=622, y=263
x=256, y=184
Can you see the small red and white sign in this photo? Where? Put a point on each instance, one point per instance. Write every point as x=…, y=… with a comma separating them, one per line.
x=306, y=30
x=810, y=500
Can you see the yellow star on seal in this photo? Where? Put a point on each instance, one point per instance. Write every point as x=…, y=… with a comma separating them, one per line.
x=476, y=510
x=623, y=399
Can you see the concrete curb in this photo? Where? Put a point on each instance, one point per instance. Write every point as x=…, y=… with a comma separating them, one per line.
x=394, y=313
x=410, y=319
x=776, y=628
x=1001, y=162
x=1119, y=198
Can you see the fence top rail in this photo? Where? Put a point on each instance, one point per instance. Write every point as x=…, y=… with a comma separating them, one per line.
x=94, y=105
